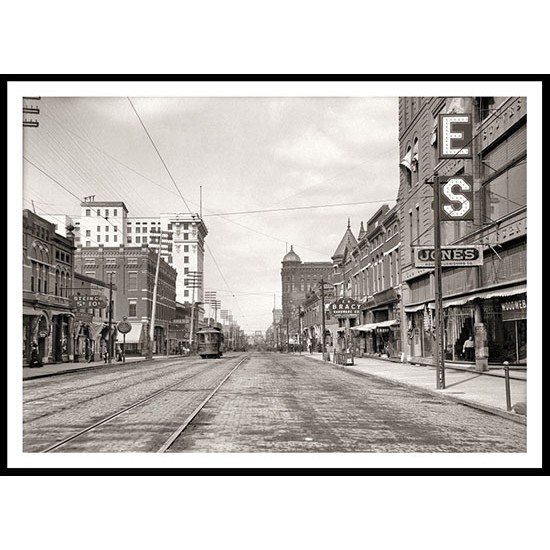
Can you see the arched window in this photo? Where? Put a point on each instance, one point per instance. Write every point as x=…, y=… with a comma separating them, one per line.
x=415, y=167
x=406, y=166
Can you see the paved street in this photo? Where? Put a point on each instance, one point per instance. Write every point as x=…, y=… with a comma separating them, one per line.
x=271, y=403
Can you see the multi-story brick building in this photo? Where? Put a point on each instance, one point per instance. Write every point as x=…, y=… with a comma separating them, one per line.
x=48, y=260
x=366, y=269
x=488, y=302
x=297, y=279
x=181, y=237
x=132, y=270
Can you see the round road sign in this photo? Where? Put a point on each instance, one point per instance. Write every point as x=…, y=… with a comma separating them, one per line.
x=124, y=327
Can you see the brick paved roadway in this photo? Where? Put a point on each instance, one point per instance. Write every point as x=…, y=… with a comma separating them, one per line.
x=281, y=403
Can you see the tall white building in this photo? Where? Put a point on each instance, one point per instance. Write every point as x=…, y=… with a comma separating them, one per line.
x=181, y=236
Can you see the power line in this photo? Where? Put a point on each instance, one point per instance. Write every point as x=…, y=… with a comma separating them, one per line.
x=160, y=156
x=301, y=207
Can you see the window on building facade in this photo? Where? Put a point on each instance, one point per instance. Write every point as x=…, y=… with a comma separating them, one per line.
x=138, y=239
x=98, y=212
x=415, y=166
x=98, y=238
x=106, y=213
x=129, y=229
x=186, y=270
x=417, y=209
x=88, y=212
x=186, y=236
x=144, y=240
x=138, y=229
x=99, y=228
x=106, y=228
x=505, y=176
x=88, y=233
x=186, y=259
x=129, y=240
x=106, y=238
x=406, y=167
x=186, y=293
x=88, y=243
x=115, y=238
x=115, y=212
x=132, y=280
x=132, y=308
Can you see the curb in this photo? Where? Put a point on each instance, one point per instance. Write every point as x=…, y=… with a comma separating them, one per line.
x=87, y=369
x=519, y=419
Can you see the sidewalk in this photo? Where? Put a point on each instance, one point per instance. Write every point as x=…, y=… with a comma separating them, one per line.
x=52, y=369
x=464, y=385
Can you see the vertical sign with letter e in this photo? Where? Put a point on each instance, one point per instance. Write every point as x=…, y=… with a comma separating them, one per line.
x=455, y=136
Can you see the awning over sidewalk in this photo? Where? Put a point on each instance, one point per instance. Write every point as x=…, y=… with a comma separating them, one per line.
x=371, y=326
x=135, y=336
x=461, y=300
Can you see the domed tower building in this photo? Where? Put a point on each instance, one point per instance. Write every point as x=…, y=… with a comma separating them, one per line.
x=297, y=279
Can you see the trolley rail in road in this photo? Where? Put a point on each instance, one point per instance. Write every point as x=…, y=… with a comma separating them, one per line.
x=190, y=418
x=144, y=400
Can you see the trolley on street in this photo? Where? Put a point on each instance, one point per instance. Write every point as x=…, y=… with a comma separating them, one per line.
x=210, y=342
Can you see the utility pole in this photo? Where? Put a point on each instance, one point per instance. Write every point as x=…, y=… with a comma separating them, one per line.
x=323, y=345
x=194, y=282
x=111, y=348
x=153, y=311
x=439, y=355
x=299, y=329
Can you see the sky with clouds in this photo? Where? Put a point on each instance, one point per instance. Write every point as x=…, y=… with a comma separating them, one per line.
x=246, y=153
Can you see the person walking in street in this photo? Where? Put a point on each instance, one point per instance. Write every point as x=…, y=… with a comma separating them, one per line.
x=468, y=349
x=104, y=352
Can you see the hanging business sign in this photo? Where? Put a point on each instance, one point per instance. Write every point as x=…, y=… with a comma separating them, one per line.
x=88, y=301
x=455, y=136
x=457, y=198
x=451, y=256
x=345, y=307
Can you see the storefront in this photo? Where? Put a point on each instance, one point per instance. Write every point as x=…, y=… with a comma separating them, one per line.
x=382, y=338
x=503, y=314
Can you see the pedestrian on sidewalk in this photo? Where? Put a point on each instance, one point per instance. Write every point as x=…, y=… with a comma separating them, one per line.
x=468, y=349
x=35, y=356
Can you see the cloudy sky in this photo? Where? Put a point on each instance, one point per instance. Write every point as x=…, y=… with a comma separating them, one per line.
x=247, y=153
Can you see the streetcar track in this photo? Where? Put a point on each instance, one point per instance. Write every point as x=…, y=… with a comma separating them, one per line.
x=170, y=441
x=126, y=376
x=130, y=407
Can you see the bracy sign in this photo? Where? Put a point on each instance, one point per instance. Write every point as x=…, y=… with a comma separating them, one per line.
x=345, y=307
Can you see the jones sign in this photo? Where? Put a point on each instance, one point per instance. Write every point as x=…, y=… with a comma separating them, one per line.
x=471, y=255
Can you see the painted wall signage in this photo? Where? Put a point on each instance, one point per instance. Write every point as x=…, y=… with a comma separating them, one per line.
x=465, y=256
x=455, y=136
x=514, y=310
x=345, y=307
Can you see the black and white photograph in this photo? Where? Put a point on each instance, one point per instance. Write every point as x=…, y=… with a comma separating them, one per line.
x=229, y=274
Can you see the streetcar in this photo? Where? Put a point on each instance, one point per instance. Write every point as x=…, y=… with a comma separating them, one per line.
x=210, y=342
